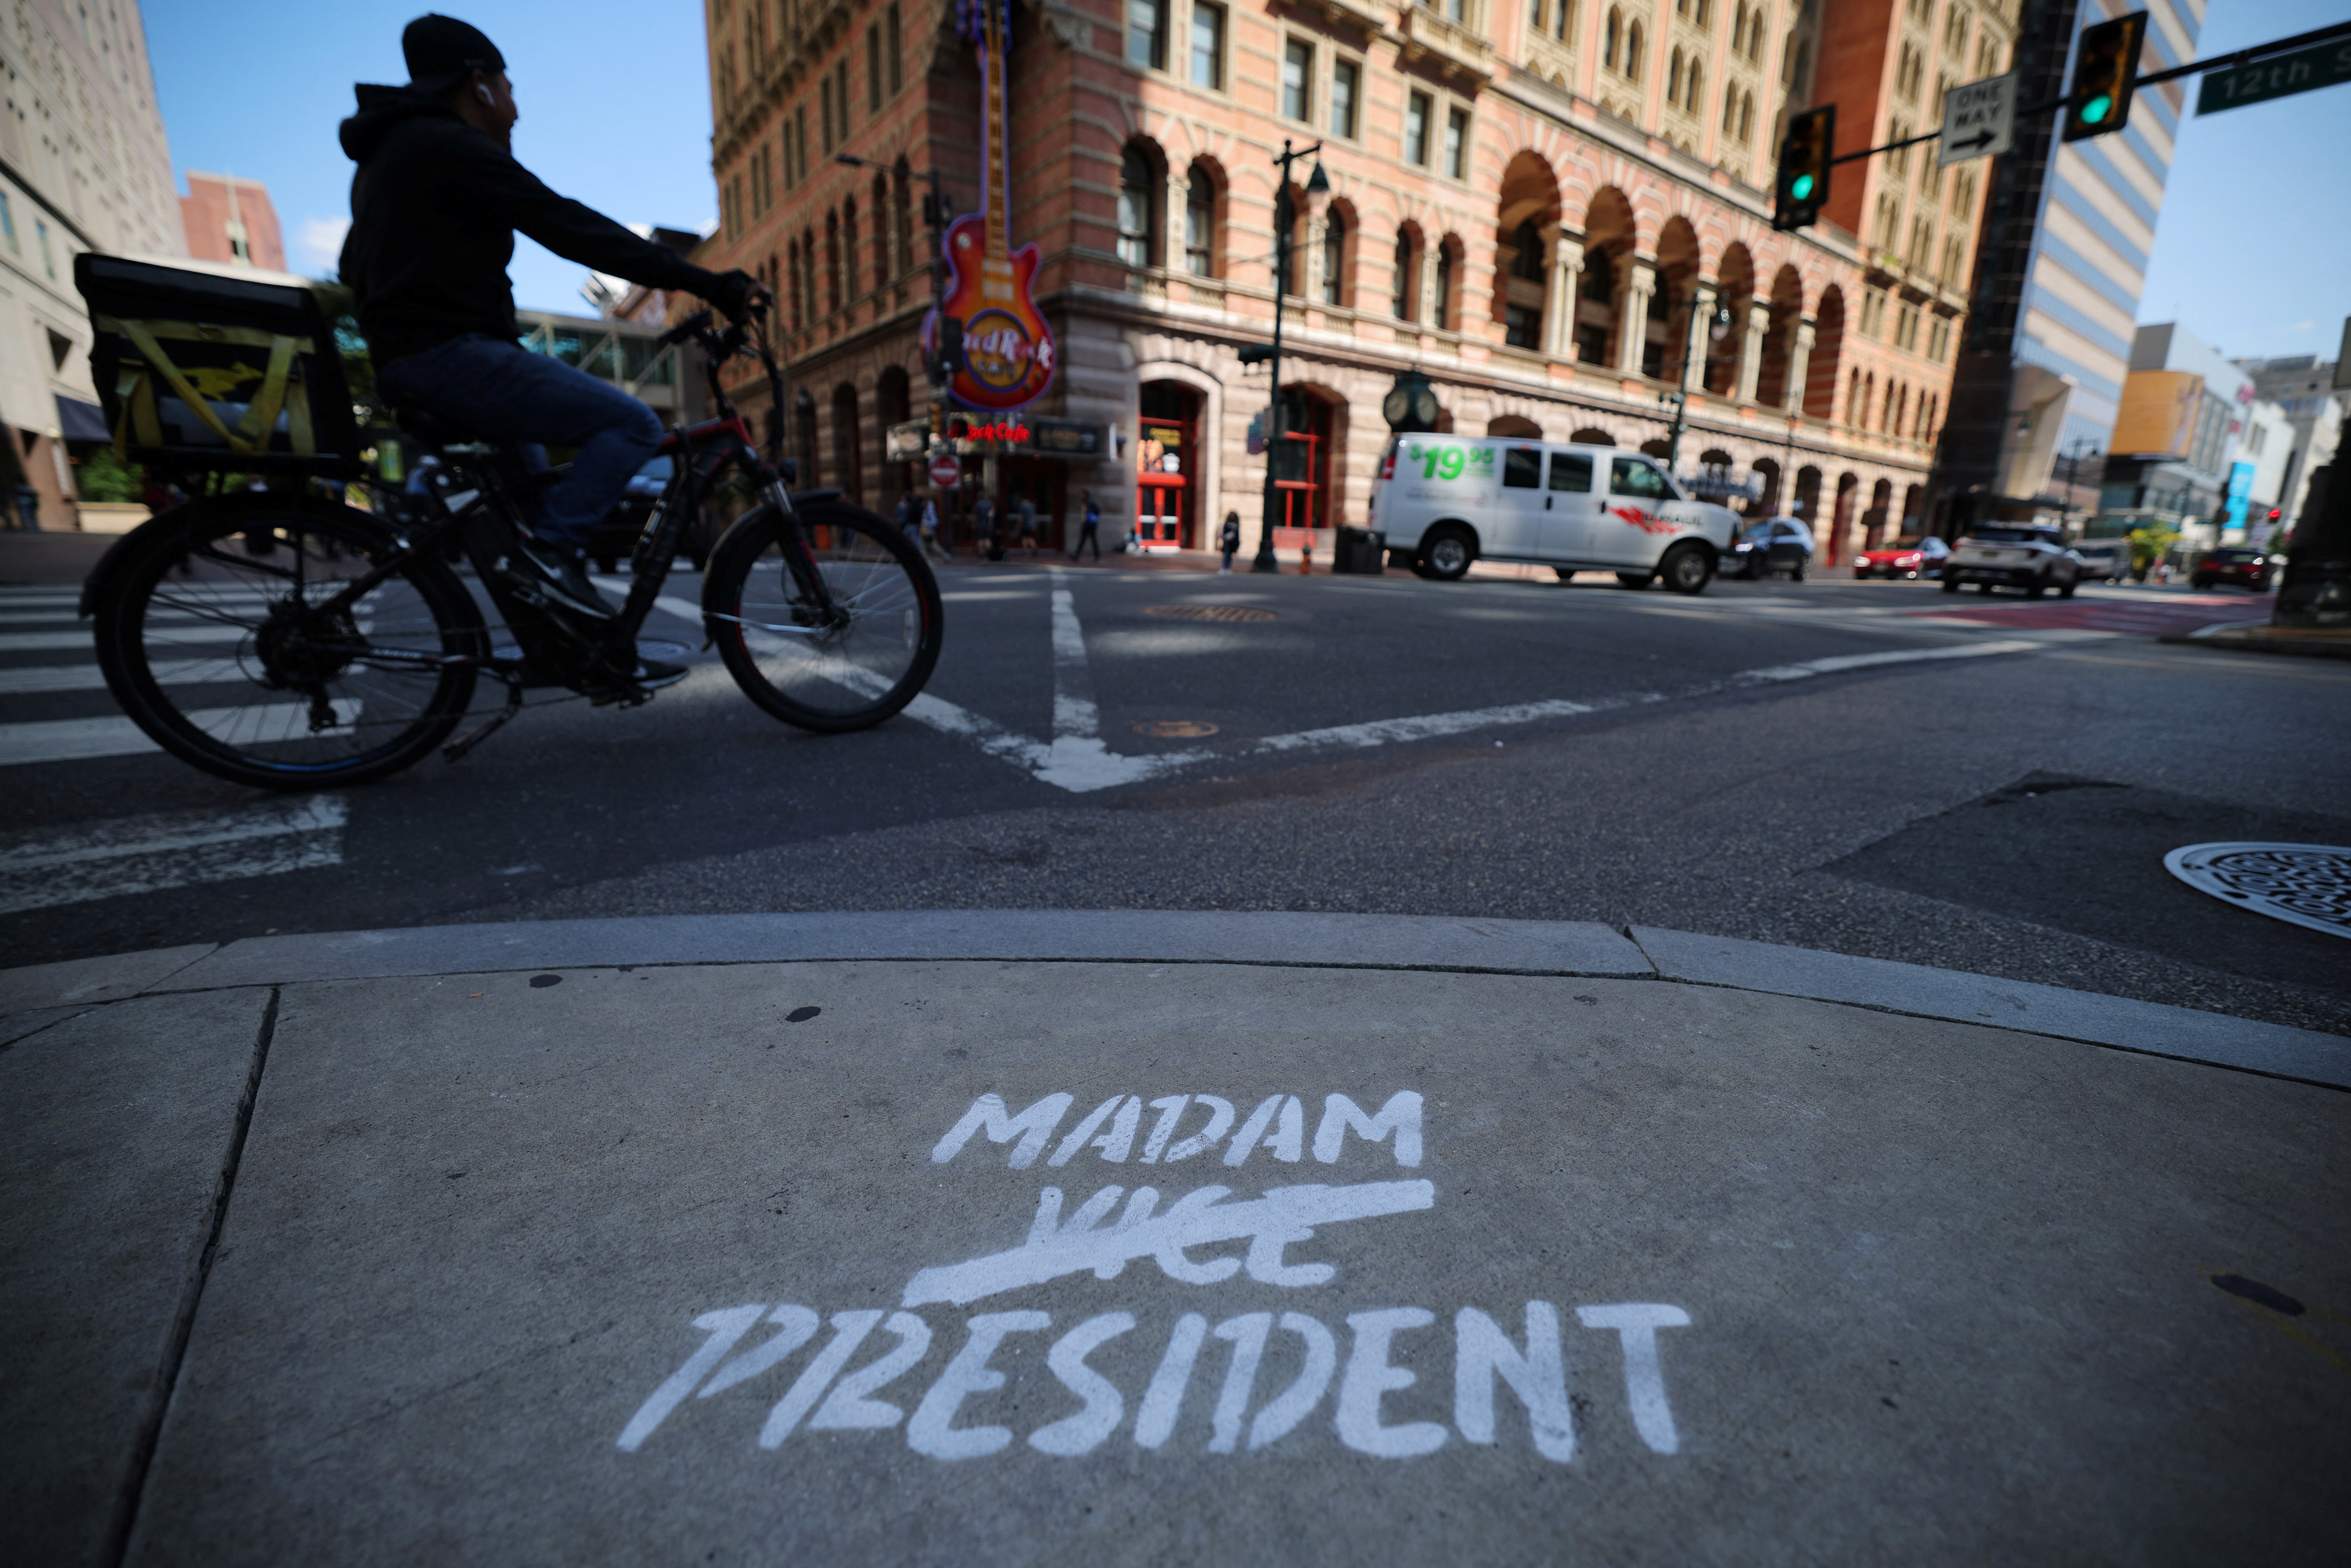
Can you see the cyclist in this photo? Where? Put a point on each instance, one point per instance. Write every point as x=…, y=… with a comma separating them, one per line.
x=434, y=206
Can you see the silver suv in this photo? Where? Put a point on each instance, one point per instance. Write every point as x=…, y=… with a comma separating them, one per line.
x=2013, y=555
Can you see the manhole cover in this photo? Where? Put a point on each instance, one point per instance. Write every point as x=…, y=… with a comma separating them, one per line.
x=1175, y=729
x=2309, y=884
x=1210, y=613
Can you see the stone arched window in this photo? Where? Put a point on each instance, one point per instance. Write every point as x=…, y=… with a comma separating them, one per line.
x=831, y=262
x=885, y=265
x=1335, y=257
x=1632, y=50
x=1447, y=266
x=1674, y=77
x=1746, y=118
x=1200, y=223
x=1138, y=209
x=1612, y=37
x=1406, y=300
x=1564, y=20
x=902, y=214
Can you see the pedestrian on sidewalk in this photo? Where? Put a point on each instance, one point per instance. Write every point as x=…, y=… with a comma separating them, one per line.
x=1228, y=539
x=983, y=522
x=904, y=515
x=1026, y=515
x=1089, y=531
x=931, y=546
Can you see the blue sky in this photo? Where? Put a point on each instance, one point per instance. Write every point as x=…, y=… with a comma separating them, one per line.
x=2253, y=252
x=615, y=108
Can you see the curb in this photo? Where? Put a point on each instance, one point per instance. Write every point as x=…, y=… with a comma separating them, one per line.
x=37, y=994
x=2261, y=637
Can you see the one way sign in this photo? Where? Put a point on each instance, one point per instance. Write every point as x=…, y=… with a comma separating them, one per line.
x=1978, y=121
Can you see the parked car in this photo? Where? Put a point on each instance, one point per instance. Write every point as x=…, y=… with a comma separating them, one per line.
x=2104, y=560
x=2239, y=566
x=1911, y=558
x=2013, y=555
x=616, y=535
x=1774, y=544
x=1445, y=501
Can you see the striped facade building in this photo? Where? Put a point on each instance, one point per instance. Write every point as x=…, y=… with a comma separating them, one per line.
x=2092, y=235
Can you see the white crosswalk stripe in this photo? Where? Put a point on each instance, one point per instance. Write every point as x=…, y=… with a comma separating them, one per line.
x=113, y=858
x=79, y=739
x=29, y=679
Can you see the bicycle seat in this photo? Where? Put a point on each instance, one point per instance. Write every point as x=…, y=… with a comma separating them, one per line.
x=434, y=431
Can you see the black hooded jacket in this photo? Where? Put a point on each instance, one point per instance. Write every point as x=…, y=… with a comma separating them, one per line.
x=435, y=207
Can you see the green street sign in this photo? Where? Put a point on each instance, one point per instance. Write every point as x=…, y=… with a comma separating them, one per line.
x=2326, y=65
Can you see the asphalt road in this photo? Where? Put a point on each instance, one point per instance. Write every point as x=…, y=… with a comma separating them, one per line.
x=1859, y=767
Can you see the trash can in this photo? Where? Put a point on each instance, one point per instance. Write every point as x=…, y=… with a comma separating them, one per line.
x=1360, y=550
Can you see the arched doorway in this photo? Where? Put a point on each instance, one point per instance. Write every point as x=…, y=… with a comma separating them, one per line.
x=1609, y=233
x=1848, y=492
x=1914, y=507
x=804, y=446
x=1167, y=467
x=1872, y=521
x=1302, y=464
x=1780, y=340
x=1828, y=343
x=1669, y=310
x=1589, y=437
x=1767, y=505
x=1734, y=288
x=847, y=473
x=1528, y=206
x=893, y=405
x=1808, y=497
x=1517, y=426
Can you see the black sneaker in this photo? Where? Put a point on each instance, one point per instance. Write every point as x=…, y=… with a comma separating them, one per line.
x=647, y=675
x=565, y=580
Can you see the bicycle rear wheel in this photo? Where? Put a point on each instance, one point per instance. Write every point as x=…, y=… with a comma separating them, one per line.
x=204, y=640
x=848, y=667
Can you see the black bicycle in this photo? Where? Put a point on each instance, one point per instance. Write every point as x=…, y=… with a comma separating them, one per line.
x=292, y=642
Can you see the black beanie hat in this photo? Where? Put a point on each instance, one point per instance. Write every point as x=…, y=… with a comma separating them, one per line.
x=442, y=51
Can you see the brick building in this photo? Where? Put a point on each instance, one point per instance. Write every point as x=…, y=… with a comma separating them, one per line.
x=1532, y=202
x=232, y=220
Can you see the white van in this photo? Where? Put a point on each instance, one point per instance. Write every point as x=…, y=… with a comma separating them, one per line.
x=1445, y=501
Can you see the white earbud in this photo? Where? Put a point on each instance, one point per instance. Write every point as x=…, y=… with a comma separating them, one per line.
x=482, y=93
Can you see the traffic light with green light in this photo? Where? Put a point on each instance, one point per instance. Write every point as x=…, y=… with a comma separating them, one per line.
x=2105, y=67
x=1804, y=155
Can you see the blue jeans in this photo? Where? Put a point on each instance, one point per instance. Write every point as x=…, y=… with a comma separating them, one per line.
x=508, y=395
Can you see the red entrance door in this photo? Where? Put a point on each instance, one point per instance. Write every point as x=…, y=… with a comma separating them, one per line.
x=1164, y=492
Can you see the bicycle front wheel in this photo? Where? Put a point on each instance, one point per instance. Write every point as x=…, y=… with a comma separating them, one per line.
x=212, y=638
x=845, y=661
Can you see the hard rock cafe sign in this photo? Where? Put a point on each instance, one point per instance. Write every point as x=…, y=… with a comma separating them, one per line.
x=1008, y=348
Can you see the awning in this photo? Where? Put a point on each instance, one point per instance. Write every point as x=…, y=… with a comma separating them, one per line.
x=82, y=421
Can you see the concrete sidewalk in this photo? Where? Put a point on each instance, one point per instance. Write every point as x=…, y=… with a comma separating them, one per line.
x=842, y=1238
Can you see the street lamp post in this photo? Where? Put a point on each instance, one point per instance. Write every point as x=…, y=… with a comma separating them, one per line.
x=1716, y=330
x=1317, y=191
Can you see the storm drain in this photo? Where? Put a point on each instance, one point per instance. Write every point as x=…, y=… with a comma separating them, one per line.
x=1209, y=612
x=2308, y=885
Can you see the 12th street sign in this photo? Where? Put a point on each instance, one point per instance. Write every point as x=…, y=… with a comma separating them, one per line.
x=2302, y=71
x=1978, y=121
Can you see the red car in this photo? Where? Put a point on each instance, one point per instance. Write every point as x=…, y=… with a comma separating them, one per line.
x=1913, y=557
x=2239, y=567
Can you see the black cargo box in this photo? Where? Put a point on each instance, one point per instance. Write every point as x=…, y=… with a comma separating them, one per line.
x=200, y=372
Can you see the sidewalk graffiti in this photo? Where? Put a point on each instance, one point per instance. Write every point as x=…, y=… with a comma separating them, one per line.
x=1278, y=1368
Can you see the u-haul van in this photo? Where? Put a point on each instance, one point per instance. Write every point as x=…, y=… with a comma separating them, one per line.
x=1445, y=501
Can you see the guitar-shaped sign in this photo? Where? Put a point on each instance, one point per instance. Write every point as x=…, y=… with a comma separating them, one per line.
x=1008, y=348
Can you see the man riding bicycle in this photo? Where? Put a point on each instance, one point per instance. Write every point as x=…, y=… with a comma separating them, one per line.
x=435, y=207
